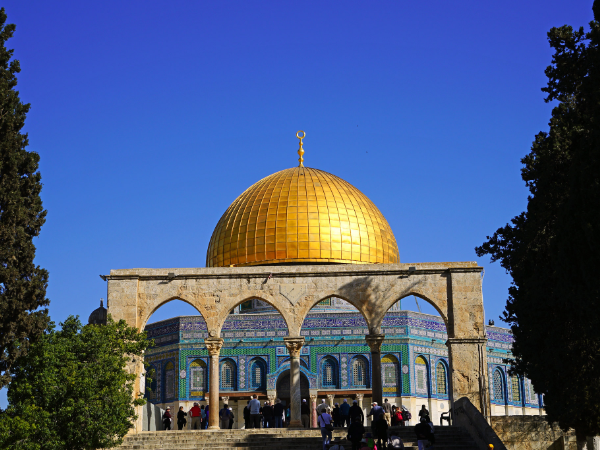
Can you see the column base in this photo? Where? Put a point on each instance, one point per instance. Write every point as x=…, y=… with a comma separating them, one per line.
x=296, y=424
x=213, y=427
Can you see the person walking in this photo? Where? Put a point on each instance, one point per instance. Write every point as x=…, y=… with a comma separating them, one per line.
x=268, y=415
x=181, y=418
x=356, y=411
x=326, y=425
x=387, y=411
x=376, y=410
x=305, y=414
x=345, y=413
x=380, y=431
x=224, y=417
x=166, y=418
x=335, y=414
x=278, y=413
x=356, y=430
x=196, y=416
x=254, y=407
x=423, y=432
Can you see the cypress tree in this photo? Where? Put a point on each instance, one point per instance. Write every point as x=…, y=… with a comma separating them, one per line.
x=22, y=283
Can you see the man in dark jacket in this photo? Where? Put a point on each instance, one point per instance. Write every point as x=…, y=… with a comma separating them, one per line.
x=345, y=413
x=278, y=411
x=247, y=415
x=355, y=433
x=423, y=432
x=305, y=414
x=268, y=415
x=380, y=429
x=356, y=411
x=336, y=416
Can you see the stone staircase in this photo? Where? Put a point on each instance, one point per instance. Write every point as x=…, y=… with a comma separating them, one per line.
x=447, y=438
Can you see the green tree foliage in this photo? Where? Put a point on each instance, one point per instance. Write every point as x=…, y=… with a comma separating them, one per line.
x=22, y=283
x=552, y=250
x=72, y=390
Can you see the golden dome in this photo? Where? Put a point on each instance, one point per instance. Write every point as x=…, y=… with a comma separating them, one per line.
x=301, y=215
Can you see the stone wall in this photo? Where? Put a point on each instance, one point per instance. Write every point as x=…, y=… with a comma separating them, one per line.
x=532, y=433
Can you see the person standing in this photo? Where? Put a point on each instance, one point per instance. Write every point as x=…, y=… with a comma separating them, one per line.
x=268, y=415
x=322, y=407
x=356, y=411
x=423, y=432
x=247, y=415
x=231, y=417
x=278, y=412
x=380, y=431
x=335, y=414
x=196, y=415
x=423, y=412
x=305, y=414
x=166, y=418
x=224, y=417
x=387, y=411
x=345, y=413
x=254, y=407
x=376, y=410
x=356, y=430
x=181, y=421
x=206, y=414
x=326, y=425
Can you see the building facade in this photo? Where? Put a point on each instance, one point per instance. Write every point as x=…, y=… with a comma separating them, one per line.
x=335, y=361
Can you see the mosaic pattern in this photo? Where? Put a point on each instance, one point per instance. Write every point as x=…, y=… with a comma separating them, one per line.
x=301, y=215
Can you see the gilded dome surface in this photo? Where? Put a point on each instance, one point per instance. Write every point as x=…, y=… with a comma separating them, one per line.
x=301, y=215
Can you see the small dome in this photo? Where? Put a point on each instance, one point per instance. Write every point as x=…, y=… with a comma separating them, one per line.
x=98, y=316
x=302, y=215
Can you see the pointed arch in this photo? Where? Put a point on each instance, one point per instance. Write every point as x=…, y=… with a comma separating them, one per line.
x=328, y=373
x=346, y=299
x=257, y=374
x=270, y=302
x=228, y=372
x=359, y=372
x=163, y=302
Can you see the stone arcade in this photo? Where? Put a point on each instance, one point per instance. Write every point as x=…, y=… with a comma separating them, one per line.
x=293, y=240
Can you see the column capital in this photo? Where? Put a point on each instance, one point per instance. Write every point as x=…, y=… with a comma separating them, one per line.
x=374, y=341
x=294, y=345
x=313, y=397
x=271, y=398
x=359, y=397
x=330, y=397
x=225, y=399
x=213, y=345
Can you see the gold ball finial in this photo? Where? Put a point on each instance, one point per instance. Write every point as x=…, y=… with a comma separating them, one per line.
x=301, y=150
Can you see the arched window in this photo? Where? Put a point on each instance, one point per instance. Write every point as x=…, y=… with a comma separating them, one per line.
x=389, y=371
x=329, y=372
x=359, y=372
x=228, y=373
x=516, y=389
x=198, y=376
x=421, y=376
x=441, y=378
x=498, y=385
x=170, y=380
x=152, y=383
x=257, y=374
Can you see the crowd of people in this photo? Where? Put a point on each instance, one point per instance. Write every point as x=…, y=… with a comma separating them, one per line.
x=277, y=416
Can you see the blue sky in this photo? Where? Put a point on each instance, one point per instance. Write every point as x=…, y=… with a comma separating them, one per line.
x=152, y=117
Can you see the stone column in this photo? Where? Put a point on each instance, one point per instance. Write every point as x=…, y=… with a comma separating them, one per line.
x=375, y=341
x=330, y=400
x=313, y=410
x=359, y=397
x=214, y=349
x=294, y=345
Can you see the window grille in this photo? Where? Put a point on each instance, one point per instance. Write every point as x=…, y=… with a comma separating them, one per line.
x=198, y=375
x=170, y=380
x=498, y=386
x=360, y=372
x=328, y=378
x=257, y=375
x=390, y=370
x=421, y=375
x=516, y=389
x=228, y=376
x=440, y=371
